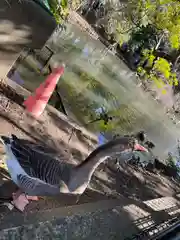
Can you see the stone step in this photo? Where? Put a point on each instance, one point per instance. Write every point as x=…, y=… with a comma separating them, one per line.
x=109, y=219
x=100, y=220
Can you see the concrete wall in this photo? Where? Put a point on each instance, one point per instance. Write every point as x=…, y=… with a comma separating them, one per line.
x=22, y=23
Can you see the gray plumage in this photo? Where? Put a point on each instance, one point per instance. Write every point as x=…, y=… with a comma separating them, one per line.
x=36, y=187
x=38, y=174
x=42, y=173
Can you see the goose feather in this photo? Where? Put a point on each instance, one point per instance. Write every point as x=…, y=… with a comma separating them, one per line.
x=34, y=172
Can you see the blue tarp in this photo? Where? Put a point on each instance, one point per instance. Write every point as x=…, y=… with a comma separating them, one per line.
x=101, y=139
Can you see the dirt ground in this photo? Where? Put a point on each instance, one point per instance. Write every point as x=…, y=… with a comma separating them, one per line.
x=54, y=133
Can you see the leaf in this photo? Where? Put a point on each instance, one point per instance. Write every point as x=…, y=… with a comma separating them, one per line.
x=64, y=3
x=174, y=40
x=151, y=59
x=163, y=91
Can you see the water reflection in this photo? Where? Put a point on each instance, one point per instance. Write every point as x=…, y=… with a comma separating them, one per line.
x=95, y=78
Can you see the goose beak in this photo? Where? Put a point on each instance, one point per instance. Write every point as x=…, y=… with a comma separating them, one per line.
x=138, y=147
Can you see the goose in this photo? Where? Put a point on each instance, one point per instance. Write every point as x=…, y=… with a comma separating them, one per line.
x=38, y=174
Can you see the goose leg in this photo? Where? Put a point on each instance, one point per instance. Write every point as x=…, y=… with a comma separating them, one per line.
x=19, y=192
x=21, y=200
x=16, y=194
x=32, y=198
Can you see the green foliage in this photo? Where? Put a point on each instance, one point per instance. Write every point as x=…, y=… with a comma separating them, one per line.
x=59, y=9
x=122, y=18
x=162, y=14
x=166, y=19
x=143, y=24
x=160, y=70
x=143, y=37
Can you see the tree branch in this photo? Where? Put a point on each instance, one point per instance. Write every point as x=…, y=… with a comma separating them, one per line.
x=159, y=42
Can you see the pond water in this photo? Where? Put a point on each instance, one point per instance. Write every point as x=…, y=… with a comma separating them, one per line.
x=94, y=78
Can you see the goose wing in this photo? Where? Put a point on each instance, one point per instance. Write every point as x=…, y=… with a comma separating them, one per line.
x=36, y=187
x=36, y=163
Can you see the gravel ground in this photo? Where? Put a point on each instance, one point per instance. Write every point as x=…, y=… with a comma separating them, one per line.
x=105, y=224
